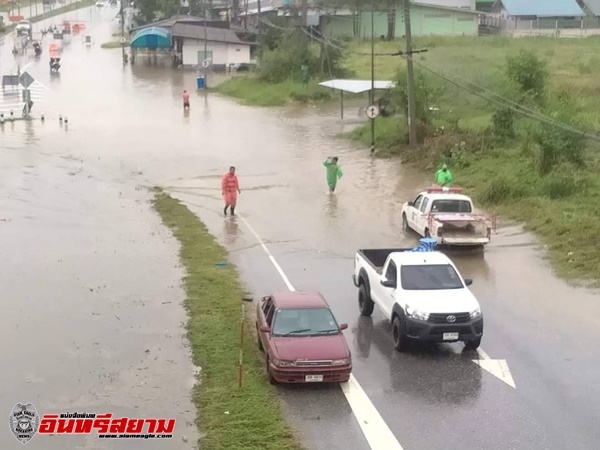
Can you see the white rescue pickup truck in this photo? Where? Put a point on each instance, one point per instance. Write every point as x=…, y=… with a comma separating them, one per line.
x=448, y=216
x=421, y=292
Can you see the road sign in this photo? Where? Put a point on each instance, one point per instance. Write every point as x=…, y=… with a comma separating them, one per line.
x=123, y=40
x=372, y=111
x=26, y=80
x=206, y=63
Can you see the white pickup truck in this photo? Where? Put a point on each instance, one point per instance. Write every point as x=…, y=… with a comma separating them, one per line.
x=448, y=216
x=421, y=292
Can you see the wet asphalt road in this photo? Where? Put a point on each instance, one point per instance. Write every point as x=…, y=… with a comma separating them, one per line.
x=127, y=131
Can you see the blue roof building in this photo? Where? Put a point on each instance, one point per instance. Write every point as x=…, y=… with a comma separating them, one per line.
x=540, y=8
x=536, y=16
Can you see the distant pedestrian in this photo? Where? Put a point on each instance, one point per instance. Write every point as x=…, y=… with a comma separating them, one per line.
x=230, y=188
x=334, y=172
x=443, y=177
x=186, y=100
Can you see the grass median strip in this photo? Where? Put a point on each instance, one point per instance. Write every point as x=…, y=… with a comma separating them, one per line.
x=229, y=417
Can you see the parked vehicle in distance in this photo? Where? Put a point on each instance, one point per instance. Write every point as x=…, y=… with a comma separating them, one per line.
x=421, y=292
x=448, y=216
x=302, y=341
x=100, y=3
x=23, y=28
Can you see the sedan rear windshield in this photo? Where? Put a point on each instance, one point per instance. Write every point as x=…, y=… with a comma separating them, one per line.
x=451, y=206
x=429, y=277
x=304, y=322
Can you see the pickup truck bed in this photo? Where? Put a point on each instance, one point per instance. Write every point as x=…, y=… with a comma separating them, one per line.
x=377, y=257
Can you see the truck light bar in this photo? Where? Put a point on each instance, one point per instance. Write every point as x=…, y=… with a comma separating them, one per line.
x=432, y=189
x=427, y=245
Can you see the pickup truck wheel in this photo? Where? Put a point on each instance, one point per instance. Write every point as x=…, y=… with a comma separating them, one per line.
x=260, y=345
x=473, y=345
x=365, y=304
x=405, y=226
x=400, y=339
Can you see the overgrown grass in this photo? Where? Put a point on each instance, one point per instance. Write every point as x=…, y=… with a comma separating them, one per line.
x=562, y=208
x=250, y=91
x=229, y=418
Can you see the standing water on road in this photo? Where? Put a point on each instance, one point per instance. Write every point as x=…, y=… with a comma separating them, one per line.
x=92, y=285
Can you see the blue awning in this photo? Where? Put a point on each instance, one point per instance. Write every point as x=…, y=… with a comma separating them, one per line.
x=153, y=38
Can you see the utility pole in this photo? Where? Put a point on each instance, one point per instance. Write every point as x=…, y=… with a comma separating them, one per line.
x=205, y=62
x=123, y=32
x=304, y=13
x=410, y=76
x=259, y=24
x=372, y=93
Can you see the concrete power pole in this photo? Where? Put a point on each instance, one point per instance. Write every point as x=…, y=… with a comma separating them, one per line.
x=412, y=119
x=304, y=8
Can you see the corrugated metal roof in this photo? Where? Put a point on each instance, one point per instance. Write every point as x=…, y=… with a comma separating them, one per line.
x=543, y=8
x=196, y=31
x=356, y=86
x=593, y=5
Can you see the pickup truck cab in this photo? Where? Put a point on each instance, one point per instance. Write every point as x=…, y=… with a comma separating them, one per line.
x=449, y=217
x=422, y=294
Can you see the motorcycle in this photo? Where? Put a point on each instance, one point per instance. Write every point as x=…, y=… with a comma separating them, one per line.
x=54, y=64
x=37, y=48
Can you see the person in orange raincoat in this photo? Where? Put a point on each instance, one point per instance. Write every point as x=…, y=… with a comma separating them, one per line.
x=230, y=189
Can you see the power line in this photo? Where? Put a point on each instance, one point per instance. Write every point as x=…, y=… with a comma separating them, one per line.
x=535, y=116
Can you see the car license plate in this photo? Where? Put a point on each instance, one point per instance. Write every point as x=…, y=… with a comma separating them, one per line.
x=313, y=378
x=450, y=336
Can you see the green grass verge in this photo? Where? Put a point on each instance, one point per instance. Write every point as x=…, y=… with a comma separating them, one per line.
x=251, y=91
x=214, y=306
x=113, y=44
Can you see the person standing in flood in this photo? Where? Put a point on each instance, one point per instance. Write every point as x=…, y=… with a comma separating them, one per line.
x=334, y=172
x=230, y=188
x=186, y=100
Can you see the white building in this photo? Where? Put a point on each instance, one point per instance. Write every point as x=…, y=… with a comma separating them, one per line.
x=225, y=47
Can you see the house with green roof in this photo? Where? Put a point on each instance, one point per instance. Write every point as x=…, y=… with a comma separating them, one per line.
x=426, y=20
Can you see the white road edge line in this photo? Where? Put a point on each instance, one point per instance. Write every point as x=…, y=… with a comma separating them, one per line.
x=376, y=432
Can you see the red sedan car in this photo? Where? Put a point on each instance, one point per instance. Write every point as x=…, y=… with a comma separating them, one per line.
x=302, y=340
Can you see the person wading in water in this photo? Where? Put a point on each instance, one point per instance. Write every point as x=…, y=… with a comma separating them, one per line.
x=334, y=173
x=230, y=189
x=186, y=100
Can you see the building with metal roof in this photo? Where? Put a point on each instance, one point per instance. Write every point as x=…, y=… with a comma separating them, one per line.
x=536, y=16
x=539, y=8
x=593, y=6
x=225, y=47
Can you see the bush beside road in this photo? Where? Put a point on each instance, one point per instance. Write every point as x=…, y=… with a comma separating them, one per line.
x=229, y=418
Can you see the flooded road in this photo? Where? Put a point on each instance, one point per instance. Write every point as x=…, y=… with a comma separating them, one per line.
x=88, y=267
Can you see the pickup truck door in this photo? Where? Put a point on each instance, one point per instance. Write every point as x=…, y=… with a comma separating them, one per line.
x=422, y=217
x=413, y=211
x=384, y=295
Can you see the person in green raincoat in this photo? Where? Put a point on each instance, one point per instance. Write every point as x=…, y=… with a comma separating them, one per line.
x=443, y=177
x=334, y=172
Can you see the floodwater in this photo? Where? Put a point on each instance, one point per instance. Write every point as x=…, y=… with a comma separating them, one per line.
x=93, y=320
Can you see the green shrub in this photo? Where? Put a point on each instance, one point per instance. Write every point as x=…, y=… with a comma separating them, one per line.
x=529, y=74
x=502, y=189
x=503, y=123
x=562, y=185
